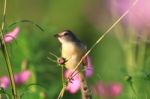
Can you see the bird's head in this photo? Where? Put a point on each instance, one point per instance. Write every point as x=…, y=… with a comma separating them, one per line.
x=66, y=36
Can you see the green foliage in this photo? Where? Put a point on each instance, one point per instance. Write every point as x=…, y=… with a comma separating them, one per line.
x=36, y=40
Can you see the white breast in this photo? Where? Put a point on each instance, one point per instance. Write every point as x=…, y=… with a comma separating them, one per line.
x=72, y=53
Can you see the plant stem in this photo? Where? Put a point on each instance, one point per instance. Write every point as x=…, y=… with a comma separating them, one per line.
x=6, y=55
x=63, y=83
x=141, y=55
x=10, y=71
x=130, y=60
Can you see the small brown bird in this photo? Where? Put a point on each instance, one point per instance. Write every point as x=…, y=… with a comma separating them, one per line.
x=73, y=50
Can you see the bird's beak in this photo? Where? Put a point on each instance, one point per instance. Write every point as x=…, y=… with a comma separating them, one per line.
x=56, y=35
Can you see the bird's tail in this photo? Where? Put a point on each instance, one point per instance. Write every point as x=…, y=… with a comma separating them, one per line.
x=85, y=91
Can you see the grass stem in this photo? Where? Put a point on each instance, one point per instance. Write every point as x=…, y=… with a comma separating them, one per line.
x=6, y=55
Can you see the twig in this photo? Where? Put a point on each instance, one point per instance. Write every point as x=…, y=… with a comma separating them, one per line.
x=63, y=83
x=61, y=92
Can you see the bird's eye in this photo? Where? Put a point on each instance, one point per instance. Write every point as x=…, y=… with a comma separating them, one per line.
x=65, y=34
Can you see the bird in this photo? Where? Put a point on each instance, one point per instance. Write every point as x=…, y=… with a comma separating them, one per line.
x=73, y=50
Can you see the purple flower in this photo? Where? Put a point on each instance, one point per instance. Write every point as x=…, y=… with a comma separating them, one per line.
x=89, y=68
x=9, y=37
x=4, y=82
x=107, y=90
x=22, y=77
x=139, y=16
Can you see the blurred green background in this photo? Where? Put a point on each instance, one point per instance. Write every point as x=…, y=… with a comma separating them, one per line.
x=87, y=19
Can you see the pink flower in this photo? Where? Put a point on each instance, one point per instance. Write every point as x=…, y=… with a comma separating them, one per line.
x=4, y=82
x=115, y=89
x=107, y=90
x=22, y=77
x=9, y=37
x=139, y=16
x=74, y=85
x=100, y=89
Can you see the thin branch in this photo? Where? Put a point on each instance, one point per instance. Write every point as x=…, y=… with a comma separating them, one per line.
x=61, y=93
